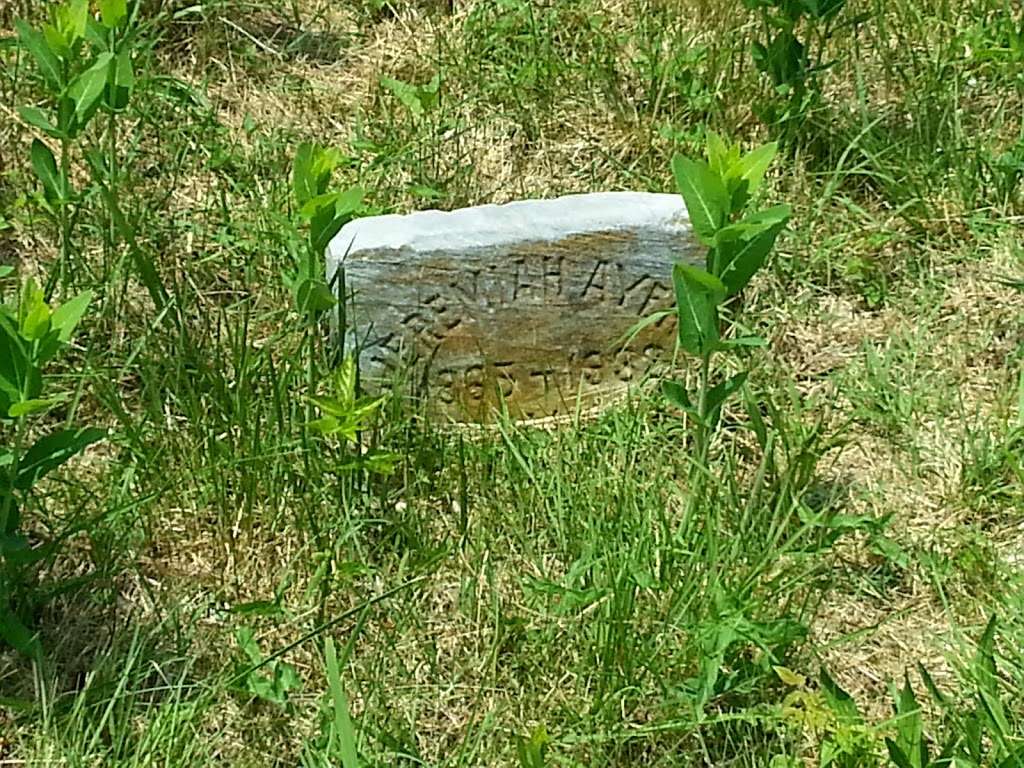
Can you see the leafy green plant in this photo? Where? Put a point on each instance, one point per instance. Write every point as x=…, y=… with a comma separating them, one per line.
x=725, y=664
x=344, y=415
x=978, y=732
x=831, y=717
x=85, y=64
x=717, y=195
x=32, y=334
x=272, y=680
x=321, y=213
x=418, y=99
x=794, y=34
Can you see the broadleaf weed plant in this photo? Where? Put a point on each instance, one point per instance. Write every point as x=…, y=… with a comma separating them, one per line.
x=32, y=333
x=790, y=53
x=739, y=532
x=344, y=415
x=85, y=63
x=717, y=195
x=973, y=731
x=320, y=213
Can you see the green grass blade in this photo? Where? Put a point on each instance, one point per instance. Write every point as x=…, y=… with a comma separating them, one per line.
x=342, y=721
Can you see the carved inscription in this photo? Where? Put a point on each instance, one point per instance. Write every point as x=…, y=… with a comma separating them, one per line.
x=531, y=324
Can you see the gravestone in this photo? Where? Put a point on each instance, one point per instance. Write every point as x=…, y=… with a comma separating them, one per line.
x=522, y=305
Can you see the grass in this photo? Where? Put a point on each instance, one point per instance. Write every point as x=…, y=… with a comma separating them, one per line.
x=518, y=578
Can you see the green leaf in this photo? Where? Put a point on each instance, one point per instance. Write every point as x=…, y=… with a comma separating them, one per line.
x=45, y=166
x=997, y=716
x=53, y=450
x=16, y=368
x=721, y=156
x=56, y=42
x=33, y=313
x=909, y=726
x=406, y=93
x=721, y=392
x=344, y=381
x=17, y=550
x=531, y=752
x=751, y=169
x=839, y=701
x=304, y=186
x=784, y=60
x=430, y=91
x=121, y=82
x=677, y=395
x=17, y=635
x=37, y=119
x=12, y=545
x=313, y=296
x=890, y=550
x=67, y=316
x=789, y=677
x=929, y=683
x=323, y=231
x=898, y=756
x=29, y=407
x=325, y=426
x=311, y=171
x=71, y=18
x=698, y=294
x=757, y=425
x=329, y=213
x=985, y=660
x=285, y=679
x=376, y=461
x=246, y=640
x=86, y=89
x=706, y=198
x=37, y=46
x=343, y=729
x=753, y=224
x=113, y=12
x=70, y=21
x=319, y=205
x=332, y=407
x=741, y=249
x=6, y=270
x=13, y=510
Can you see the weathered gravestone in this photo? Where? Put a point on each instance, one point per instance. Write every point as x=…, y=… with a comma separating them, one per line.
x=523, y=304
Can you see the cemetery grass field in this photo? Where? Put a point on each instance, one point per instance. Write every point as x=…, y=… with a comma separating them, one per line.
x=522, y=596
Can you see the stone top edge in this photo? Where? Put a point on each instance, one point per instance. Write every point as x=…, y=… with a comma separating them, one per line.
x=488, y=225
